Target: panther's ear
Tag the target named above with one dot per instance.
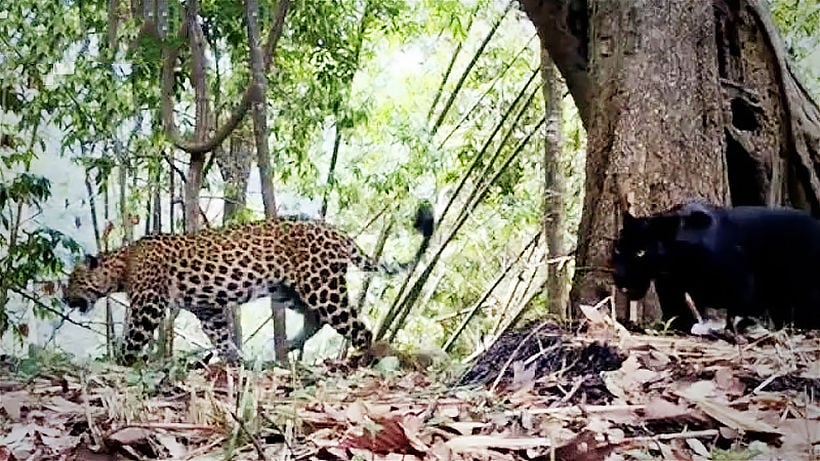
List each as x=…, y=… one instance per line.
x=629, y=220
x=698, y=220
x=92, y=261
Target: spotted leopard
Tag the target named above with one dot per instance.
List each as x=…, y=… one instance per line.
x=299, y=262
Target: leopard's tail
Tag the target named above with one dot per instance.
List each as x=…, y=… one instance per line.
x=424, y=224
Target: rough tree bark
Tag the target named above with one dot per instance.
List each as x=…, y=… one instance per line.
x=235, y=168
x=679, y=99
x=554, y=189
x=202, y=122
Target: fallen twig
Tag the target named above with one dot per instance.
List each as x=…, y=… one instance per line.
x=586, y=409
x=166, y=426
x=678, y=435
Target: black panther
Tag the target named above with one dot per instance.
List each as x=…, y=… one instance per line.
x=753, y=261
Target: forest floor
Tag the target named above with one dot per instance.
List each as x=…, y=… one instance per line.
x=600, y=392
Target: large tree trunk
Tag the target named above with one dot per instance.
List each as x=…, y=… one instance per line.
x=680, y=99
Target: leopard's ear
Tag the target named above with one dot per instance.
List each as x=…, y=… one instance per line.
x=92, y=261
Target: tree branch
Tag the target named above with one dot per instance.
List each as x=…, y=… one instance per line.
x=193, y=184
x=563, y=27
x=239, y=111
x=257, y=91
x=196, y=40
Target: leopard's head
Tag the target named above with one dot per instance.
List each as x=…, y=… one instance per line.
x=89, y=281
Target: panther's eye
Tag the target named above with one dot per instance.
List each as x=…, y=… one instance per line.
x=617, y=251
x=640, y=253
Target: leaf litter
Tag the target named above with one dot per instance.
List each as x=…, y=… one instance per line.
x=540, y=392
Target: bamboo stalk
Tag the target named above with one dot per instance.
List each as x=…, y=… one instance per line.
x=472, y=311
x=460, y=83
x=404, y=307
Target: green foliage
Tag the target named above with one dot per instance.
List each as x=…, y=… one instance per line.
x=244, y=215
x=365, y=69
x=29, y=252
x=40, y=361
x=799, y=24
x=736, y=454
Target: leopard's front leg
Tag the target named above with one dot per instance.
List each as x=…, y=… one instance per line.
x=146, y=314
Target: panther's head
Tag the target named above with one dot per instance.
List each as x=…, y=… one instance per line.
x=647, y=246
x=638, y=252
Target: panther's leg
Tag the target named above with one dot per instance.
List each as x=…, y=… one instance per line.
x=146, y=313
x=672, y=299
x=330, y=303
x=744, y=306
x=216, y=327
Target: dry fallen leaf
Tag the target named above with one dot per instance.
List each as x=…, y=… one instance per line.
x=394, y=434
x=728, y=383
x=440, y=451
x=592, y=313
x=463, y=443
x=325, y=437
x=18, y=433
x=170, y=442
x=61, y=405
x=412, y=426
x=801, y=435
x=698, y=447
x=464, y=427
x=14, y=404
x=409, y=416
x=130, y=435
x=523, y=377
x=59, y=443
x=449, y=411
x=582, y=447
x=659, y=408
x=20, y=441
x=705, y=397
x=657, y=360
x=628, y=381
